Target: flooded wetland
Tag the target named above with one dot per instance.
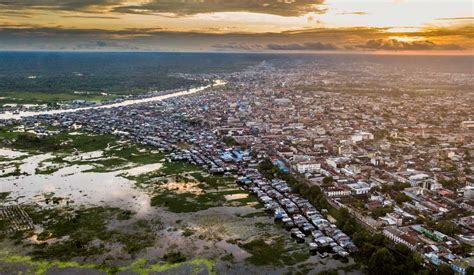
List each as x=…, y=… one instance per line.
x=102, y=204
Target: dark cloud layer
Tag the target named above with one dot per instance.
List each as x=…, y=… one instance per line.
x=190, y=7
x=238, y=47
x=90, y=16
x=310, y=46
x=176, y=7
x=66, y=5
x=24, y=36
x=397, y=45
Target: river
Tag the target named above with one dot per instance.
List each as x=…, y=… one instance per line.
x=23, y=114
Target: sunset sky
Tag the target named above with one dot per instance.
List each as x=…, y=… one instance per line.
x=380, y=26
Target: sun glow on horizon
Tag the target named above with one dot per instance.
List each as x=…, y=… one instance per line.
x=344, y=24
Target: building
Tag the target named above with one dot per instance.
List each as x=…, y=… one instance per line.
x=308, y=167
x=467, y=124
x=337, y=191
x=399, y=236
x=359, y=188
x=361, y=136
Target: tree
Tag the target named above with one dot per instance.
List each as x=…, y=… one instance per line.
x=401, y=198
x=447, y=227
x=382, y=262
x=349, y=228
x=360, y=237
x=462, y=249
x=444, y=269
x=230, y=141
x=381, y=211
x=327, y=180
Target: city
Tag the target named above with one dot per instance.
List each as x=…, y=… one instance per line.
x=333, y=168
x=209, y=137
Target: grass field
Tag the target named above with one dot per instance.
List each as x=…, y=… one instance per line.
x=46, y=97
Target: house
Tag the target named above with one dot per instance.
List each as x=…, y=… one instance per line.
x=308, y=167
x=359, y=188
x=337, y=191
x=399, y=236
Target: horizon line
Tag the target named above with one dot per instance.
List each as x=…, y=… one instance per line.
x=374, y=53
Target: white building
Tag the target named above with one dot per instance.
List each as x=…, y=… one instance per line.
x=359, y=188
x=308, y=167
x=468, y=192
x=337, y=192
x=467, y=124
x=358, y=137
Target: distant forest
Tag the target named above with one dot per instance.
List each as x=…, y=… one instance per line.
x=43, y=77
x=118, y=73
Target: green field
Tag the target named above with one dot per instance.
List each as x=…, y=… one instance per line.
x=48, y=97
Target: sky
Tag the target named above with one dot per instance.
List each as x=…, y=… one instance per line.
x=356, y=26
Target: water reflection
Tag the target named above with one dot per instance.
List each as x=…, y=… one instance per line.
x=74, y=185
x=22, y=114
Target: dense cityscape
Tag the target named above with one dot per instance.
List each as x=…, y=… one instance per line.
x=348, y=167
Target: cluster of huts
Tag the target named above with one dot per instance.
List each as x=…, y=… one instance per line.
x=299, y=216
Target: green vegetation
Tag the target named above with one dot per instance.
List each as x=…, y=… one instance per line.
x=4, y=195
x=449, y=184
x=447, y=227
x=188, y=232
x=22, y=97
x=397, y=186
x=328, y=180
x=52, y=77
x=228, y=257
x=381, y=211
x=46, y=170
x=178, y=167
x=62, y=142
x=381, y=262
x=444, y=269
x=3, y=227
x=462, y=249
x=83, y=228
x=230, y=141
x=189, y=202
x=214, y=188
x=139, y=154
x=8, y=133
x=401, y=198
x=174, y=257
x=140, y=266
x=115, y=156
x=103, y=165
x=15, y=173
x=381, y=134
x=273, y=253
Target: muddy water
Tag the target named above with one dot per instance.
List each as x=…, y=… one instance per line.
x=216, y=232
x=10, y=154
x=75, y=185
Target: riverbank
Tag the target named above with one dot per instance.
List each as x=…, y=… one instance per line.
x=16, y=115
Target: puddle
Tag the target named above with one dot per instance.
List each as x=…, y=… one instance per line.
x=74, y=184
x=7, y=153
x=85, y=156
